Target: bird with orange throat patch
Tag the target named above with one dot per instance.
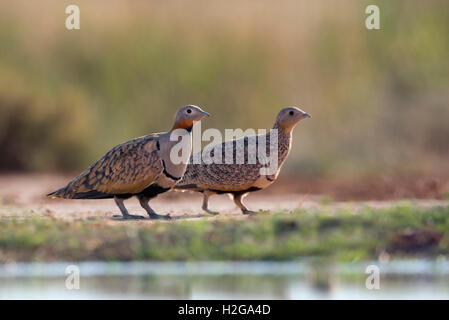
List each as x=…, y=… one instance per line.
x=141, y=167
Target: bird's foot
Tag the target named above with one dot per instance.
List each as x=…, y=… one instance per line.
x=214, y=213
x=248, y=212
x=132, y=217
x=160, y=216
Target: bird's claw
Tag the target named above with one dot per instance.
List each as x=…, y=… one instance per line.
x=132, y=217
x=248, y=212
x=214, y=213
x=160, y=216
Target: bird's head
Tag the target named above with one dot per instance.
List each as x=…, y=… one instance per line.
x=288, y=117
x=187, y=115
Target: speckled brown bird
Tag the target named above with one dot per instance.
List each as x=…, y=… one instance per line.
x=240, y=179
x=140, y=167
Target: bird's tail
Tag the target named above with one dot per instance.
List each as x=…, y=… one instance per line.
x=60, y=193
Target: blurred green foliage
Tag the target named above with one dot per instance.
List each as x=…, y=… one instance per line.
x=379, y=99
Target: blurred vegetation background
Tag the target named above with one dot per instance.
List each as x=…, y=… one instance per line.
x=379, y=98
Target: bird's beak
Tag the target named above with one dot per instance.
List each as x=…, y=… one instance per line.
x=306, y=115
x=205, y=114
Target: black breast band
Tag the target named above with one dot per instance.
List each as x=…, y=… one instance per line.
x=167, y=174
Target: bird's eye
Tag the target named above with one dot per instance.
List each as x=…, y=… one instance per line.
x=189, y=110
x=291, y=113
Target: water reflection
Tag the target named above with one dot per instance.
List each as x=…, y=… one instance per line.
x=416, y=279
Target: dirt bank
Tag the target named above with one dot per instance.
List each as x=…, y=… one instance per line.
x=26, y=193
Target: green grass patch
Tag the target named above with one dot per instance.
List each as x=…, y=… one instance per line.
x=343, y=235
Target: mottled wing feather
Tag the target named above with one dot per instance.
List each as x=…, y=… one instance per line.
x=126, y=169
x=230, y=177
x=224, y=177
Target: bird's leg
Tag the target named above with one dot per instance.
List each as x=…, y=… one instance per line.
x=206, y=195
x=126, y=215
x=238, y=198
x=153, y=215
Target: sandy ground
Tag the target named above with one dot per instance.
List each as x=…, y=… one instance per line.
x=25, y=195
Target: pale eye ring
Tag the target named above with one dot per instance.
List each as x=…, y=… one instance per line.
x=189, y=110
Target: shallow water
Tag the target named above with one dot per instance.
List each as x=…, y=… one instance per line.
x=308, y=279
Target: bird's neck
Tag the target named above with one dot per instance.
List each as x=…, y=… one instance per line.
x=283, y=132
x=284, y=142
x=286, y=129
x=185, y=124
